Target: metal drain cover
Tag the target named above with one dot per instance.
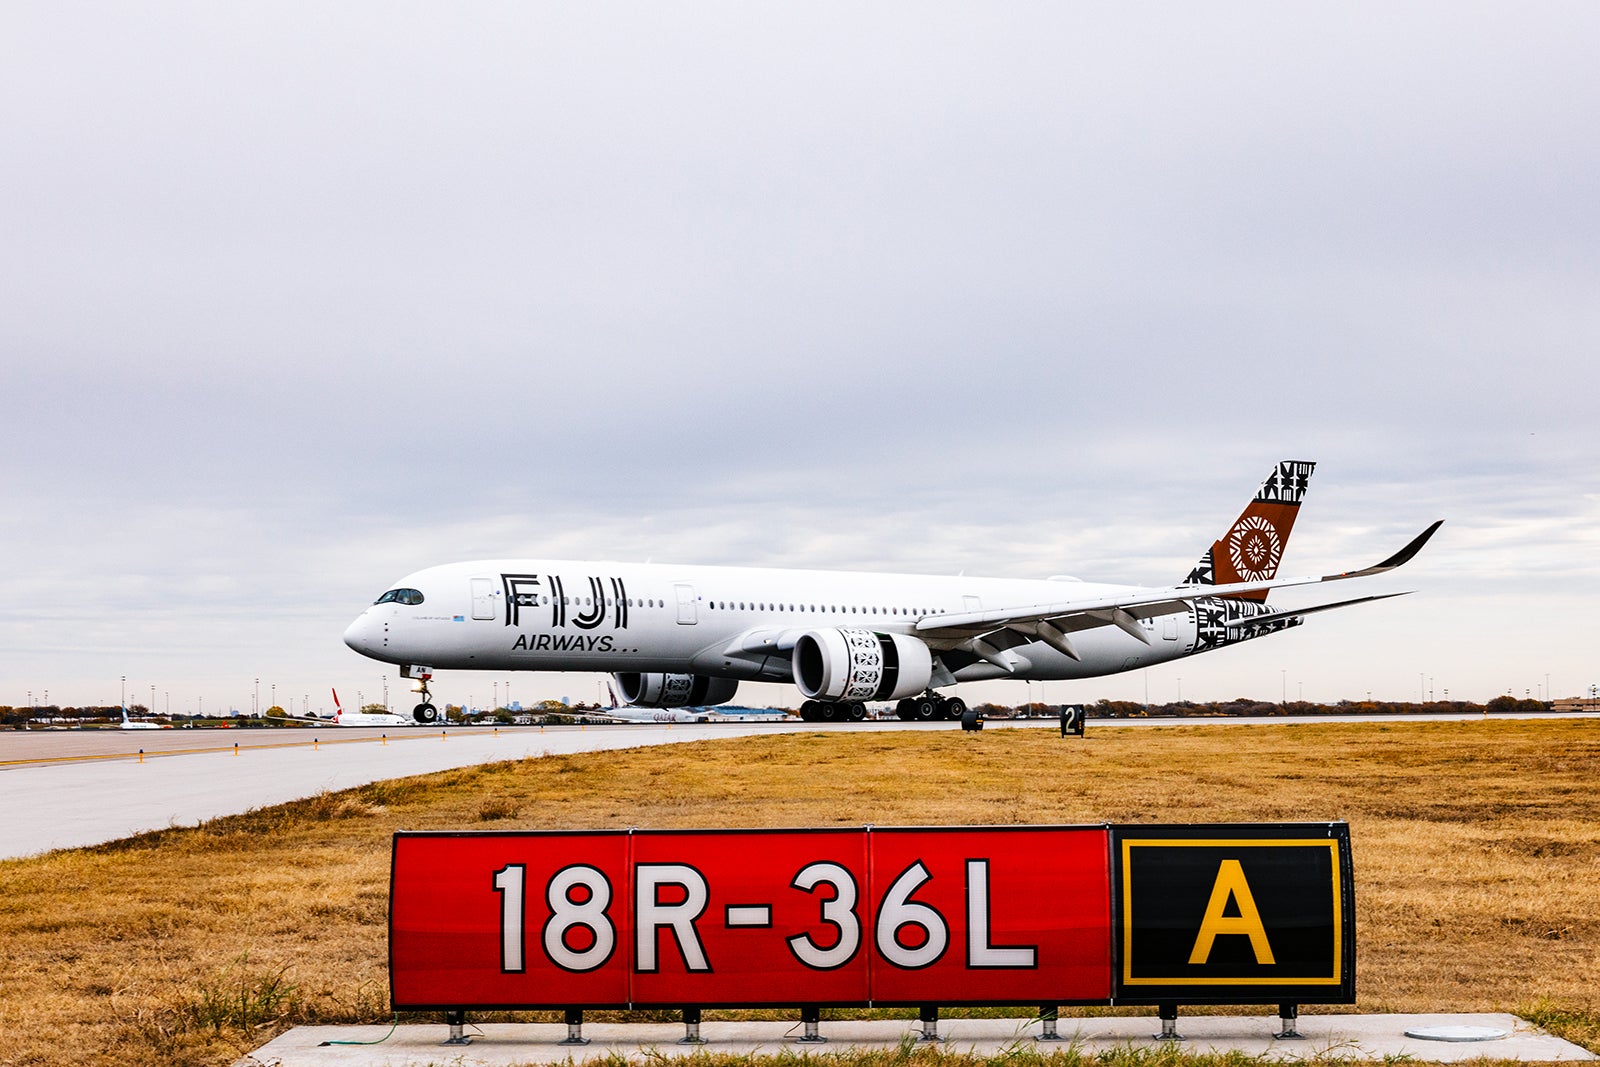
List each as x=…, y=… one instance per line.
x=1457, y=1033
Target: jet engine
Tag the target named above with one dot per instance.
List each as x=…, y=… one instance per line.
x=674, y=690
x=860, y=665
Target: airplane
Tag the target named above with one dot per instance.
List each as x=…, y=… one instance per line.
x=654, y=715
x=355, y=718
x=616, y=712
x=685, y=636
x=132, y=724
x=367, y=718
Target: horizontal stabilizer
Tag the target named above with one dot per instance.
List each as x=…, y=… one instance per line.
x=1294, y=613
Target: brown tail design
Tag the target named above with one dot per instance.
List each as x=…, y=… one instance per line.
x=1253, y=546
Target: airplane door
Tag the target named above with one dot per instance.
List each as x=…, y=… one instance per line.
x=482, y=598
x=686, y=608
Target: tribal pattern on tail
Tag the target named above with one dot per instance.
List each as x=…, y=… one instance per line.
x=1253, y=547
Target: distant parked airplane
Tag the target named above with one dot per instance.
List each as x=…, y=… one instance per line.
x=367, y=718
x=685, y=636
x=135, y=724
x=355, y=718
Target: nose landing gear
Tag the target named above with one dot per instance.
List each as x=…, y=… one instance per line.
x=424, y=712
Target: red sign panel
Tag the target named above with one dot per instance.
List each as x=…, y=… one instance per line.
x=751, y=918
x=991, y=915
x=509, y=920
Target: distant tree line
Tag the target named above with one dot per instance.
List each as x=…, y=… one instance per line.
x=106, y=713
x=1245, y=706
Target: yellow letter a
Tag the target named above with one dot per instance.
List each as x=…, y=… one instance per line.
x=1231, y=883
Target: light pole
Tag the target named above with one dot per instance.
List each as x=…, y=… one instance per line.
x=255, y=700
x=385, y=681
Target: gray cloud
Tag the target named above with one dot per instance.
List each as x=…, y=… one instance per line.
x=300, y=299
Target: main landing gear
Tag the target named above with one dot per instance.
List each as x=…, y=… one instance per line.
x=833, y=711
x=424, y=712
x=930, y=708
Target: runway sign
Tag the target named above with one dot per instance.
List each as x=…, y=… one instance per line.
x=889, y=916
x=1232, y=914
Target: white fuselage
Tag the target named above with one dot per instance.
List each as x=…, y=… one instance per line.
x=728, y=622
x=365, y=718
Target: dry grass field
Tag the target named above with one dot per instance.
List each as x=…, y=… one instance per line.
x=1477, y=864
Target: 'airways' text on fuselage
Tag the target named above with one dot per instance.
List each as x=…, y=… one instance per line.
x=563, y=643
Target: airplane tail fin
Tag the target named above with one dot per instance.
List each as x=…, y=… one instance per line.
x=1253, y=546
x=338, y=710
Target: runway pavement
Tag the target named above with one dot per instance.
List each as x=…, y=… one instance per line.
x=66, y=789
x=57, y=795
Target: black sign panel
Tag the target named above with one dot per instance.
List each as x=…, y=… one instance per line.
x=1234, y=914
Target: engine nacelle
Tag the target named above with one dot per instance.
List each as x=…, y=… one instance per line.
x=860, y=665
x=675, y=690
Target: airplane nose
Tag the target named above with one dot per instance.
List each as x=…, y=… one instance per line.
x=358, y=635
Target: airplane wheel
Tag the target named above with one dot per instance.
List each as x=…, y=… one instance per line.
x=926, y=709
x=905, y=710
x=858, y=711
x=808, y=711
x=425, y=713
x=953, y=708
x=828, y=711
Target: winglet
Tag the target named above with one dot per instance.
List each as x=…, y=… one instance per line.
x=1400, y=558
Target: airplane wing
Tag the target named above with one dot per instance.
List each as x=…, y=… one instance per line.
x=987, y=634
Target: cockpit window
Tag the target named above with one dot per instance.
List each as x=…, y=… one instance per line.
x=400, y=596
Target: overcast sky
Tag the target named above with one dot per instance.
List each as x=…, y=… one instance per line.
x=298, y=298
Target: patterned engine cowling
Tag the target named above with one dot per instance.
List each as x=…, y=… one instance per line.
x=860, y=665
x=674, y=690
